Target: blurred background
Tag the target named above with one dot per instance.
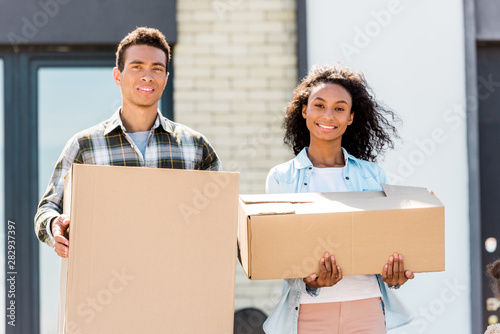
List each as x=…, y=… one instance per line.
x=234, y=66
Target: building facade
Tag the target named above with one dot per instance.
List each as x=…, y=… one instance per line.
x=234, y=66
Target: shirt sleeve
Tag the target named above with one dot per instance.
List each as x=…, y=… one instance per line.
x=298, y=284
x=51, y=204
x=272, y=185
x=210, y=160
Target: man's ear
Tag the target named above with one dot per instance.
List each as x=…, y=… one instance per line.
x=304, y=111
x=166, y=80
x=117, y=76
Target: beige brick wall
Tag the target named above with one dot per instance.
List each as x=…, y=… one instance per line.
x=235, y=69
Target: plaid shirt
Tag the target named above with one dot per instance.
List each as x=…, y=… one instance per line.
x=169, y=145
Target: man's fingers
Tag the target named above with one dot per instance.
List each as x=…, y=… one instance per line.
x=61, y=250
x=64, y=219
x=59, y=239
x=60, y=225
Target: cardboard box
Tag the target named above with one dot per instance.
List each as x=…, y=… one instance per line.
x=151, y=251
x=285, y=235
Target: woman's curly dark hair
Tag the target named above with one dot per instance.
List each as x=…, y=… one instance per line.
x=367, y=136
x=493, y=269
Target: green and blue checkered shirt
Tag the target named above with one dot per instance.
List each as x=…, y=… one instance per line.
x=169, y=145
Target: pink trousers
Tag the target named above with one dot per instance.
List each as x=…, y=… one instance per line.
x=364, y=316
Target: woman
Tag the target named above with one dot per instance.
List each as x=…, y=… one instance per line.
x=335, y=127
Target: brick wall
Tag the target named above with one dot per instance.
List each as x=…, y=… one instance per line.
x=235, y=69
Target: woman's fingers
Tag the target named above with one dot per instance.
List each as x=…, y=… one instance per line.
x=339, y=274
x=334, y=271
x=409, y=274
x=330, y=273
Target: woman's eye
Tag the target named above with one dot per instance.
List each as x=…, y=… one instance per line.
x=318, y=105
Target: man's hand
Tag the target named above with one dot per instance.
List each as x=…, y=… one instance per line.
x=330, y=273
x=60, y=231
x=394, y=272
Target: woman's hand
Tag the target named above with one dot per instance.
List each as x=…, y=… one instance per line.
x=329, y=276
x=394, y=272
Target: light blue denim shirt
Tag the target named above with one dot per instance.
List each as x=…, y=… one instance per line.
x=294, y=177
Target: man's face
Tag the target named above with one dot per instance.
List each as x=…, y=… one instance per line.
x=143, y=78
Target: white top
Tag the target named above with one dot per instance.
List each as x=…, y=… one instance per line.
x=350, y=287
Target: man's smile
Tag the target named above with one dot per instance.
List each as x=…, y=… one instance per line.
x=146, y=90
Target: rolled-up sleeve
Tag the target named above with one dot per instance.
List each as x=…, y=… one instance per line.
x=51, y=204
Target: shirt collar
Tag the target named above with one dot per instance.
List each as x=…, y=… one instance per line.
x=115, y=121
x=303, y=161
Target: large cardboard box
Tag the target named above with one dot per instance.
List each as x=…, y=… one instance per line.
x=151, y=251
x=285, y=235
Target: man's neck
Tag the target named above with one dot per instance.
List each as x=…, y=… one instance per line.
x=138, y=119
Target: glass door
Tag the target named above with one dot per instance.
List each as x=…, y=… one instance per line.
x=70, y=99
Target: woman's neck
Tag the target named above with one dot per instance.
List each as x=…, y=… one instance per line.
x=323, y=156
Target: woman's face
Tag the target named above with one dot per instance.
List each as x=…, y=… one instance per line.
x=328, y=112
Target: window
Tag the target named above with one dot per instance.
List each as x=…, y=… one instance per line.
x=70, y=99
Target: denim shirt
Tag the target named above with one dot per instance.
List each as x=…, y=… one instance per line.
x=294, y=177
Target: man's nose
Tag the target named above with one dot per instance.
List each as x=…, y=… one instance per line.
x=147, y=76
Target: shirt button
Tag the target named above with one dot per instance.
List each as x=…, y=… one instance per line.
x=305, y=183
x=310, y=168
x=296, y=308
x=347, y=177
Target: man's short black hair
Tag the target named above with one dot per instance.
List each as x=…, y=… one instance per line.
x=142, y=36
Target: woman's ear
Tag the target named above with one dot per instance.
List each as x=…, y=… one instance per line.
x=304, y=111
x=351, y=118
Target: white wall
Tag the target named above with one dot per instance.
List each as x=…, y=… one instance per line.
x=412, y=53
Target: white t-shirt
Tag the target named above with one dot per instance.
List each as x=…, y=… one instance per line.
x=349, y=287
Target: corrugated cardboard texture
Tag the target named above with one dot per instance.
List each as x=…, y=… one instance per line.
x=151, y=251
x=284, y=236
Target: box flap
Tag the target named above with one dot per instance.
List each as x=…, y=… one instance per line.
x=392, y=190
x=391, y=198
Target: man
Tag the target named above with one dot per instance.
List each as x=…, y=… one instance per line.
x=136, y=135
